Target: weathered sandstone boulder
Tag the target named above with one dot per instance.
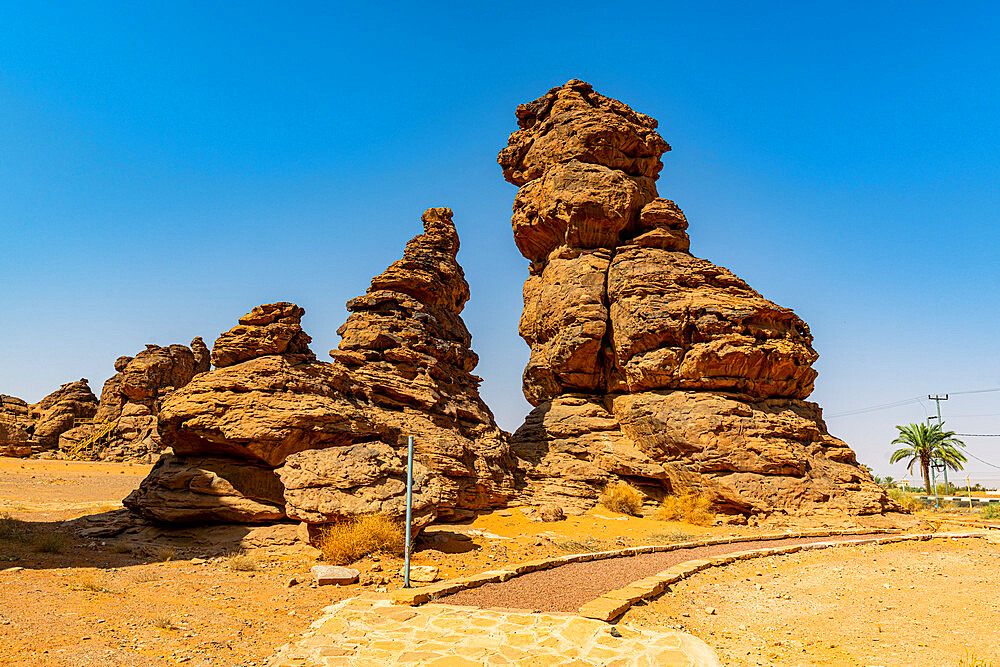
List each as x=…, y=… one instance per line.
x=204, y=488
x=55, y=414
x=131, y=400
x=334, y=433
x=273, y=328
x=14, y=427
x=649, y=364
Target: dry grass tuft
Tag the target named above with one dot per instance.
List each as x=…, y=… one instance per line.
x=672, y=536
x=585, y=545
x=50, y=543
x=907, y=500
x=163, y=622
x=991, y=511
x=122, y=548
x=241, y=561
x=143, y=576
x=623, y=498
x=688, y=507
x=13, y=530
x=346, y=542
x=165, y=554
x=91, y=586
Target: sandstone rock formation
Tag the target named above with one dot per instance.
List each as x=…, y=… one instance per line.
x=647, y=363
x=55, y=414
x=334, y=433
x=14, y=427
x=131, y=399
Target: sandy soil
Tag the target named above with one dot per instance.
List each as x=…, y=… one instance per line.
x=94, y=603
x=909, y=603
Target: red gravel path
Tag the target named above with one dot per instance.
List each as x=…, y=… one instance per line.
x=567, y=587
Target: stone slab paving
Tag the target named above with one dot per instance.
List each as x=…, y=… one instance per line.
x=373, y=632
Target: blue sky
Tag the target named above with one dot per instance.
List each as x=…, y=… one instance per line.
x=164, y=169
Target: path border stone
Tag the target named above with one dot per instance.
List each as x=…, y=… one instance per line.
x=613, y=604
x=423, y=594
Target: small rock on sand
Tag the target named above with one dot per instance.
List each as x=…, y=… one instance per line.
x=334, y=574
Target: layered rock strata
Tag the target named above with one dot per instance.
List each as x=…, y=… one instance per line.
x=647, y=363
x=333, y=434
x=14, y=427
x=131, y=400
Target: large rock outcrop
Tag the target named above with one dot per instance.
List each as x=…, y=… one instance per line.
x=334, y=433
x=647, y=363
x=131, y=400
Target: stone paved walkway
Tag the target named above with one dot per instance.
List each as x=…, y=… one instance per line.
x=372, y=631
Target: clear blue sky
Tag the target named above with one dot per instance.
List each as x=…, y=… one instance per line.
x=164, y=169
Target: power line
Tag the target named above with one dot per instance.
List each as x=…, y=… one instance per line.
x=875, y=408
x=979, y=435
x=976, y=391
x=982, y=461
x=901, y=403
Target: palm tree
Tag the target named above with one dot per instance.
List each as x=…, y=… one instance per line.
x=924, y=443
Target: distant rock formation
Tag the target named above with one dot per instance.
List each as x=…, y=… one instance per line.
x=333, y=435
x=56, y=413
x=647, y=363
x=131, y=399
x=14, y=427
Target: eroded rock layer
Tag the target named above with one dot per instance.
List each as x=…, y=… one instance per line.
x=648, y=363
x=332, y=435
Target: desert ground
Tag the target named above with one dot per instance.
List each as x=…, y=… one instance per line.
x=69, y=601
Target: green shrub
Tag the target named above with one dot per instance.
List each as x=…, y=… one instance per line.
x=623, y=498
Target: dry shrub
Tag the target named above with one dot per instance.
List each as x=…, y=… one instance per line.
x=241, y=561
x=50, y=543
x=907, y=500
x=688, y=507
x=13, y=530
x=165, y=554
x=163, y=622
x=622, y=497
x=586, y=545
x=353, y=539
x=672, y=536
x=991, y=511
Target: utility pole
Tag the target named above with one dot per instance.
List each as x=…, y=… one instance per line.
x=937, y=400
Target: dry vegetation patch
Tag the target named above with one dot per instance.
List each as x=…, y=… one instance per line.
x=623, y=498
x=688, y=507
x=351, y=540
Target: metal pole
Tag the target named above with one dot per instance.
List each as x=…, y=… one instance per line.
x=933, y=467
x=409, y=511
x=968, y=485
x=937, y=401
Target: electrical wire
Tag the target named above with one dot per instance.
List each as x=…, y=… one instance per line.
x=905, y=401
x=982, y=461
